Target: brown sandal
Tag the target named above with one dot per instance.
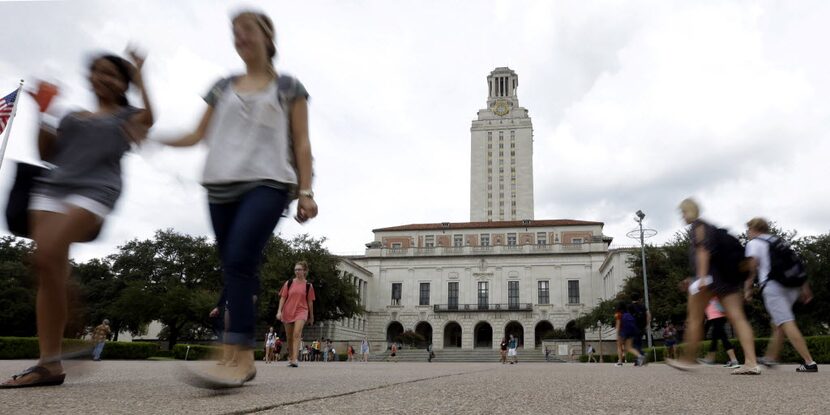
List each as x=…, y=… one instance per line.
x=45, y=378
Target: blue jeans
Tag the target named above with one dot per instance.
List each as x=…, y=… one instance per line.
x=242, y=229
x=96, y=352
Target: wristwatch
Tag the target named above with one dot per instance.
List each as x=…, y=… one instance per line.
x=307, y=193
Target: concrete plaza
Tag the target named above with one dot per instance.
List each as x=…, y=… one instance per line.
x=139, y=387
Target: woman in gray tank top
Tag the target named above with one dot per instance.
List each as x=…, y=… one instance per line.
x=69, y=203
x=259, y=156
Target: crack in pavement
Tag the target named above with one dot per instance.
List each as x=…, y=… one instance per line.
x=355, y=392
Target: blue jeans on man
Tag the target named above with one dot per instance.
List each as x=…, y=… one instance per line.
x=96, y=352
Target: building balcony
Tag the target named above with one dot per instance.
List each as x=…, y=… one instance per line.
x=471, y=250
x=462, y=308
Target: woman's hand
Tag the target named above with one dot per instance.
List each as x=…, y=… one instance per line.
x=279, y=315
x=306, y=209
x=214, y=313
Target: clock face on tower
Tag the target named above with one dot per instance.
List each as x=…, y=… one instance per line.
x=501, y=108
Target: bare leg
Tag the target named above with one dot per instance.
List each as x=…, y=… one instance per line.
x=734, y=305
x=297, y=334
x=790, y=328
x=694, y=325
x=289, y=343
x=731, y=354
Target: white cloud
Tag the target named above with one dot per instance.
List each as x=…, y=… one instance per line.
x=635, y=105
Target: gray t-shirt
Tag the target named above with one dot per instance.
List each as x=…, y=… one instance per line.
x=88, y=152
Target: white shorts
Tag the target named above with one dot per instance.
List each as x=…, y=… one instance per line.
x=511, y=352
x=62, y=205
x=779, y=301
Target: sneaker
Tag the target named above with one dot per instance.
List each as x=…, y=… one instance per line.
x=680, y=365
x=767, y=362
x=618, y=364
x=747, y=371
x=807, y=368
x=641, y=361
x=706, y=362
x=732, y=365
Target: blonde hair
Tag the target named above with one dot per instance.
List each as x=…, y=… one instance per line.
x=691, y=207
x=304, y=264
x=758, y=224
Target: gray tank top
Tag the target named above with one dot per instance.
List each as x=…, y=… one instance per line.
x=88, y=157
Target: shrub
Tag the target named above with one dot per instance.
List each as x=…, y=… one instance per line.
x=27, y=348
x=197, y=351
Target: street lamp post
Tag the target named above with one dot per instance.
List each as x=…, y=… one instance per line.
x=644, y=233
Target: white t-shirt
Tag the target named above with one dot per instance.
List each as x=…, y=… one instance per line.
x=758, y=248
x=248, y=139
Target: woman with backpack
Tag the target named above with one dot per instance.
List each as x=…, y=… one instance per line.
x=715, y=276
x=259, y=157
x=296, y=309
x=70, y=203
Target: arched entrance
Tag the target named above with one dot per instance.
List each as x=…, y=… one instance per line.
x=543, y=329
x=515, y=328
x=452, y=335
x=483, y=335
x=425, y=330
x=393, y=331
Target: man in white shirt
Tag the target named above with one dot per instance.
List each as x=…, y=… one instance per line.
x=778, y=299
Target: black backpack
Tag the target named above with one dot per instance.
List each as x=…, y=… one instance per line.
x=729, y=256
x=786, y=267
x=638, y=311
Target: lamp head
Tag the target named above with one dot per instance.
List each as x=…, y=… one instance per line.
x=640, y=214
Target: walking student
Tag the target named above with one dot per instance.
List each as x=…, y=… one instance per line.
x=618, y=315
x=394, y=352
x=715, y=276
x=70, y=203
x=778, y=298
x=364, y=349
x=503, y=350
x=716, y=320
x=259, y=157
x=99, y=337
x=628, y=332
x=590, y=352
x=512, y=345
x=430, y=353
x=270, y=345
x=296, y=309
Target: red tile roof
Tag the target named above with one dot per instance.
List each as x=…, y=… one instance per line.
x=487, y=225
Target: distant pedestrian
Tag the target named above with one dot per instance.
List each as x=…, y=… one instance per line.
x=591, y=354
x=349, y=353
x=327, y=350
x=715, y=258
x=503, y=350
x=778, y=298
x=628, y=332
x=364, y=349
x=547, y=354
x=296, y=309
x=512, y=345
x=315, y=350
x=430, y=353
x=270, y=345
x=716, y=321
x=278, y=348
x=670, y=339
x=618, y=315
x=642, y=317
x=99, y=337
x=394, y=352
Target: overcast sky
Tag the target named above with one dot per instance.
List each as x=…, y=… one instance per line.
x=635, y=105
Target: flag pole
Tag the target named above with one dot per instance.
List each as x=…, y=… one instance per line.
x=9, y=125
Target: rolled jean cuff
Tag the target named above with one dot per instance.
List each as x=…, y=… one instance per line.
x=240, y=339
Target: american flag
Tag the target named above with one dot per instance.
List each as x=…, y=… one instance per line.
x=6, y=106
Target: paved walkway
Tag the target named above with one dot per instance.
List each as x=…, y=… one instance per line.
x=134, y=387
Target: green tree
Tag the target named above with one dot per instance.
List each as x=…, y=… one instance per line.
x=173, y=278
x=17, y=288
x=814, y=317
x=336, y=298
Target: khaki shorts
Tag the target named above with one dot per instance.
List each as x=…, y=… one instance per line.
x=779, y=301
